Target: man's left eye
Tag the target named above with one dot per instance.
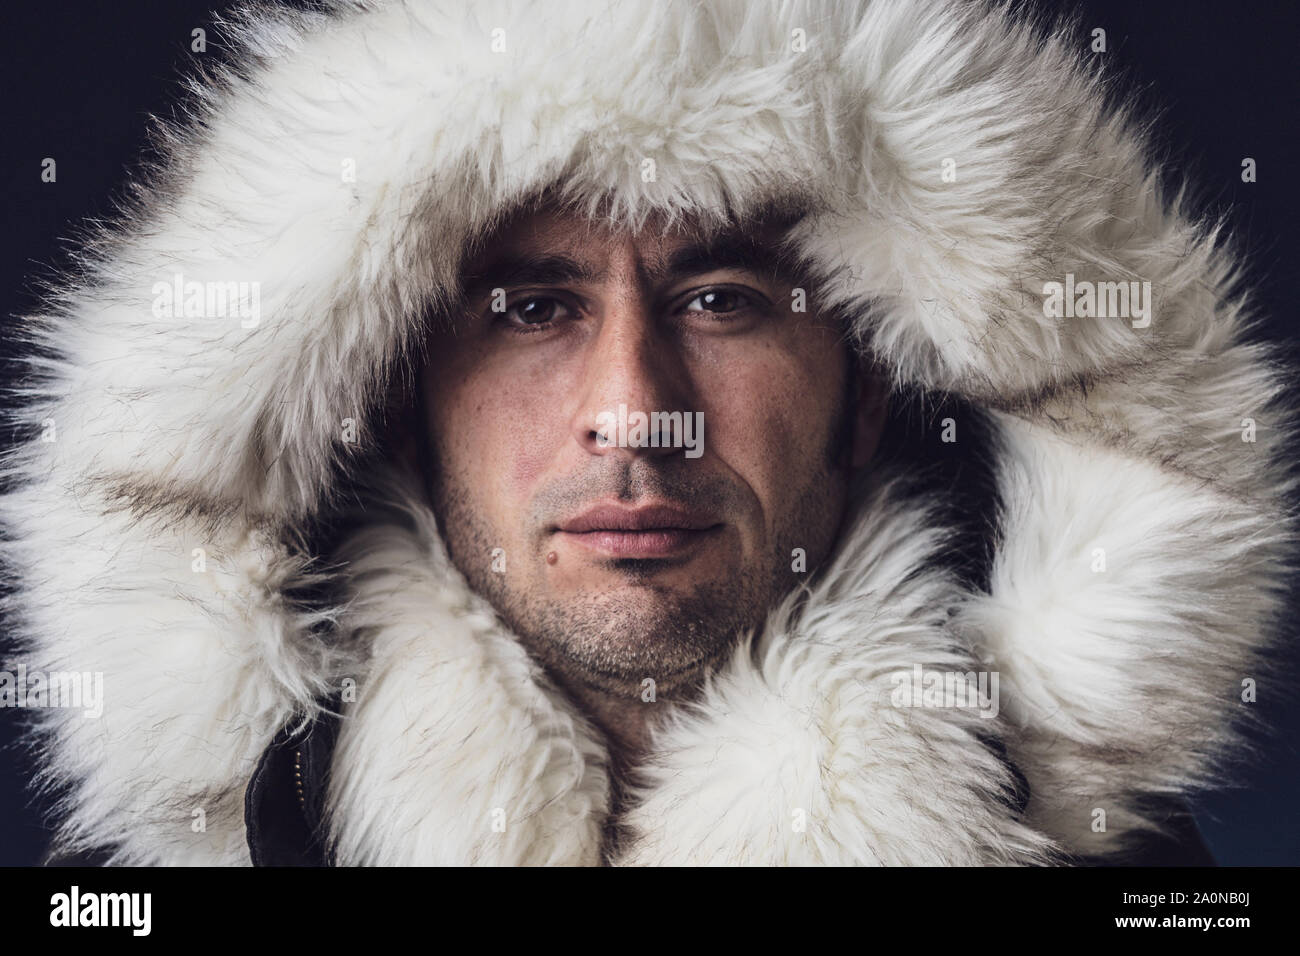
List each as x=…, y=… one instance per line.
x=719, y=301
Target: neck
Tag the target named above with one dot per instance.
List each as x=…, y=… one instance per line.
x=625, y=721
x=624, y=717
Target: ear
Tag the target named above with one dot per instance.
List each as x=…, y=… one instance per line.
x=871, y=402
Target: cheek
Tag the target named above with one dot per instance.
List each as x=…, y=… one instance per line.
x=500, y=435
x=769, y=417
x=527, y=465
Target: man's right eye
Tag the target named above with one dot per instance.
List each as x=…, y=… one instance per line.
x=534, y=312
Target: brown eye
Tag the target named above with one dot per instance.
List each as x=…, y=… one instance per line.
x=718, y=301
x=536, y=310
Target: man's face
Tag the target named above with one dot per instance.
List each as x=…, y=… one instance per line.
x=620, y=562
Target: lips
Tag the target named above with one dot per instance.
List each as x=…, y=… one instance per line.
x=646, y=531
x=643, y=518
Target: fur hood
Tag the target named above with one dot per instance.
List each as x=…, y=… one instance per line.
x=954, y=159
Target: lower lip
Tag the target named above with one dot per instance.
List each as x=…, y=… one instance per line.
x=659, y=543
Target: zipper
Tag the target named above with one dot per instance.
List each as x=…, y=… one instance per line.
x=297, y=778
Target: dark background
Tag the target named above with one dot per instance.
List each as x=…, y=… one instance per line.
x=80, y=78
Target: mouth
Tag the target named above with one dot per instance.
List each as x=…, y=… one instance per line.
x=645, y=531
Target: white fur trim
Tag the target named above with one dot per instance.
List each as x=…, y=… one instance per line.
x=175, y=434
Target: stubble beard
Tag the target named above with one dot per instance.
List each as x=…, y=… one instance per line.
x=612, y=643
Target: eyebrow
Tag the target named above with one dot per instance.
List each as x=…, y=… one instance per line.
x=731, y=250
x=727, y=251
x=519, y=269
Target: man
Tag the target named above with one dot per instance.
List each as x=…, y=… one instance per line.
x=621, y=562
x=480, y=453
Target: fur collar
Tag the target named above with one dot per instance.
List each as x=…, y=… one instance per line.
x=154, y=519
x=459, y=749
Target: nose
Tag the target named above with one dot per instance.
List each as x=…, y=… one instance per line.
x=630, y=367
